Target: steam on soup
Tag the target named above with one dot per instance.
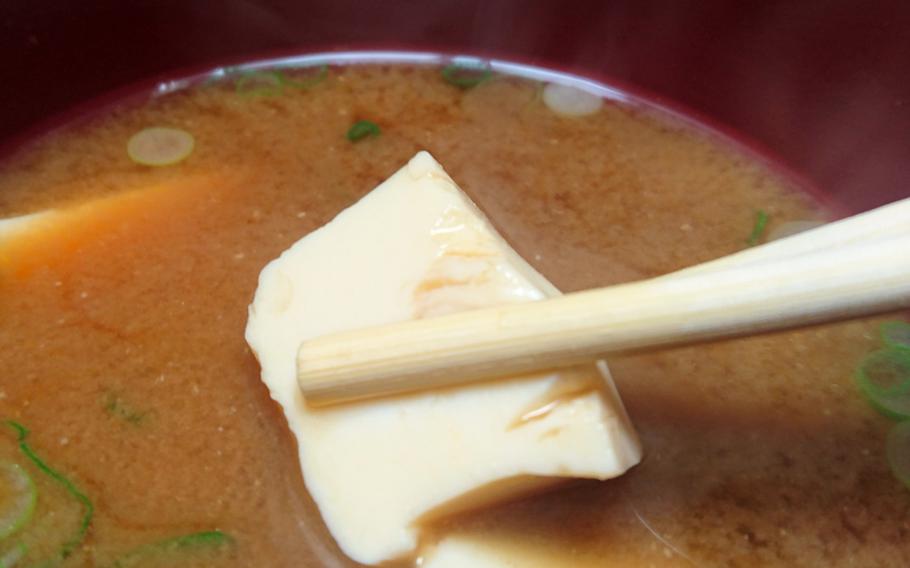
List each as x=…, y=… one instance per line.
x=137, y=430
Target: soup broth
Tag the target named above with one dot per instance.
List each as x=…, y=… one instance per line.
x=123, y=352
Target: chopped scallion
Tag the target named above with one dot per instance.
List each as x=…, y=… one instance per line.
x=11, y=557
x=884, y=378
x=259, y=83
x=18, y=496
x=466, y=76
x=88, y=508
x=361, y=129
x=115, y=406
x=758, y=228
x=567, y=100
x=308, y=81
x=207, y=539
x=897, y=449
x=896, y=334
x=160, y=146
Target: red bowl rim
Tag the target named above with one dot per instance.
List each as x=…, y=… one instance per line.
x=609, y=87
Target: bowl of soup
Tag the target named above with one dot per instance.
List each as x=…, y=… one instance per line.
x=137, y=431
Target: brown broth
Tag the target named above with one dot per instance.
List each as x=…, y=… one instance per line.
x=123, y=346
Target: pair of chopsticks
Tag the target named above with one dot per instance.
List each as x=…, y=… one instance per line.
x=855, y=267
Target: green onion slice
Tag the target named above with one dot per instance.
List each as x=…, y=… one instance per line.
x=160, y=146
x=897, y=449
x=308, y=81
x=758, y=228
x=361, y=129
x=88, y=508
x=18, y=496
x=259, y=83
x=194, y=541
x=11, y=557
x=567, y=100
x=114, y=406
x=896, y=334
x=466, y=76
x=884, y=378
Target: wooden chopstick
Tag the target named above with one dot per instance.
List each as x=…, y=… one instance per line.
x=861, y=268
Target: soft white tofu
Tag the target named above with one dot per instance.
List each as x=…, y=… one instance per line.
x=12, y=226
x=416, y=246
x=486, y=551
x=126, y=201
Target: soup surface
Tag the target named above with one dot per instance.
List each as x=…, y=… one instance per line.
x=123, y=351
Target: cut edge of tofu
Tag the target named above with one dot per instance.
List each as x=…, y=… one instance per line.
x=13, y=226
